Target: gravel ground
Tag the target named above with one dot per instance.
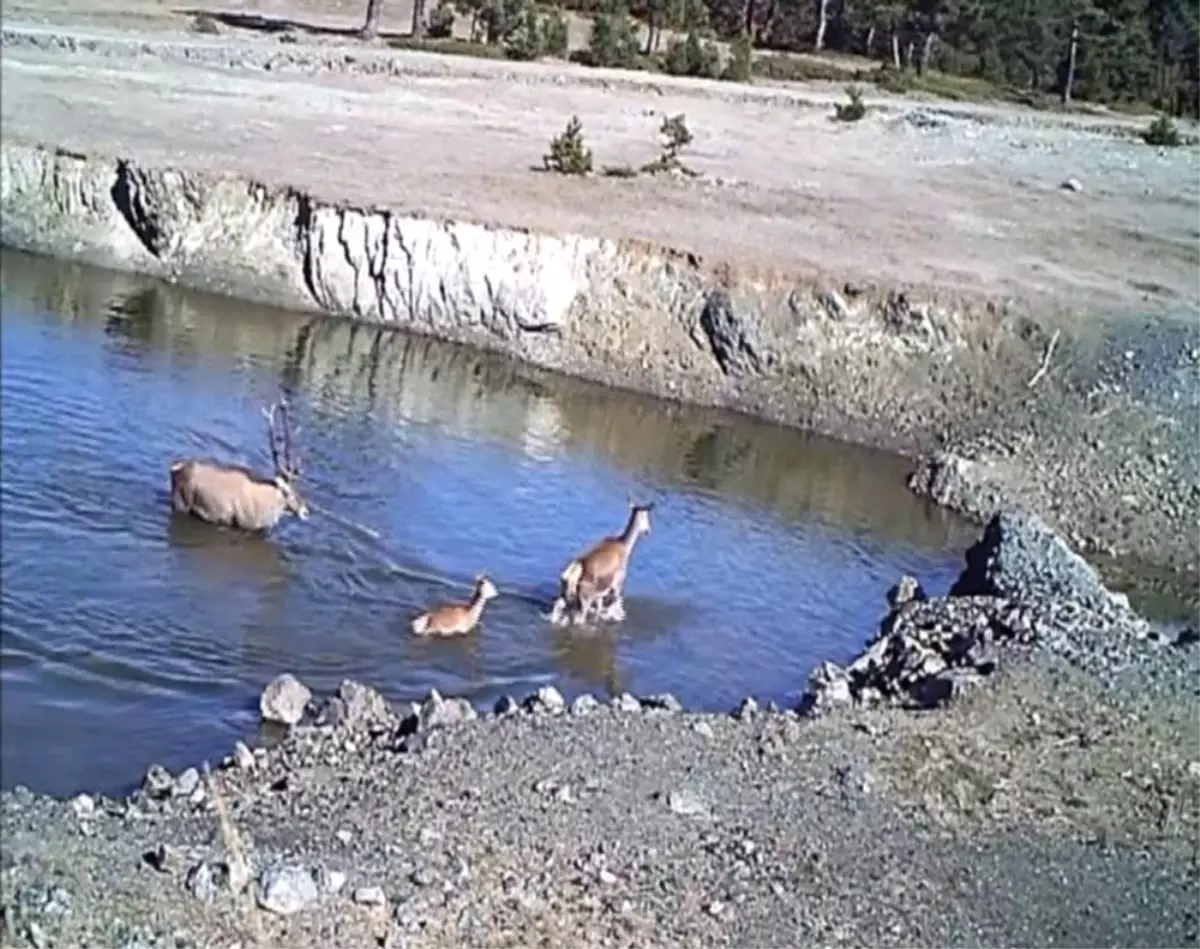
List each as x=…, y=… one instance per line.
x=1055, y=802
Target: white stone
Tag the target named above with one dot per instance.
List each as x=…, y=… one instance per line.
x=284, y=700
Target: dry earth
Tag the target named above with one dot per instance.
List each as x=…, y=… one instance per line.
x=964, y=199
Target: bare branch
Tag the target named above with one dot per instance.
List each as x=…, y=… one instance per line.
x=1037, y=376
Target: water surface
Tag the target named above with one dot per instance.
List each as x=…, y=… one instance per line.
x=133, y=636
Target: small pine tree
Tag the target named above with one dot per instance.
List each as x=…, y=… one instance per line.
x=1162, y=133
x=676, y=137
x=441, y=22
x=554, y=34
x=692, y=56
x=853, y=110
x=568, y=154
x=614, y=42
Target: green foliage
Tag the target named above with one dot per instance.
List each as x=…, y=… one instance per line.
x=693, y=57
x=1162, y=133
x=853, y=110
x=614, y=42
x=676, y=136
x=740, y=67
x=568, y=154
x=441, y=22
x=554, y=34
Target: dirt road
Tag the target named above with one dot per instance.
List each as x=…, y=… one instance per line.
x=965, y=199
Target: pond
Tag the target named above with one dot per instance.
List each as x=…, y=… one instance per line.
x=133, y=636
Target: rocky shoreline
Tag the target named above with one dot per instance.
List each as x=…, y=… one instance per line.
x=1014, y=763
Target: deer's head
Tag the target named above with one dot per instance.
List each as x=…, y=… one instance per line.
x=287, y=468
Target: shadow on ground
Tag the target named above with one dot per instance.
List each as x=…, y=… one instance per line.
x=276, y=25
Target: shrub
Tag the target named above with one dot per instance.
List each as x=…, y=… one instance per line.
x=853, y=110
x=568, y=154
x=676, y=137
x=1162, y=133
x=740, y=67
x=554, y=34
x=441, y=22
x=692, y=57
x=614, y=42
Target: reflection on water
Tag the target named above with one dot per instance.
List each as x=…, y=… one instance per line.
x=770, y=550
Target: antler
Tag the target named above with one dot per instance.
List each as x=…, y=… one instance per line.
x=273, y=436
x=293, y=466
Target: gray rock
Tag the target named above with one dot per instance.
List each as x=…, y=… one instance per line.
x=186, y=783
x=243, y=757
x=686, y=803
x=285, y=890
x=905, y=590
x=828, y=688
x=747, y=708
x=158, y=782
x=729, y=336
x=703, y=728
x=506, y=705
x=284, y=700
x=546, y=699
x=83, y=806
x=330, y=881
x=201, y=882
x=438, y=712
x=1072, y=184
x=370, y=896
x=1020, y=558
x=584, y=704
x=626, y=703
x=357, y=706
x=665, y=701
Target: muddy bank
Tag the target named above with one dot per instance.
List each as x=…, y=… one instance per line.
x=1101, y=450
x=1054, y=801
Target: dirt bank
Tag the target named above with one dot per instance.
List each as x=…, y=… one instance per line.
x=898, y=282
x=1052, y=799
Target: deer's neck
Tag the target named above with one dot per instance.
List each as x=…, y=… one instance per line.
x=476, y=606
x=629, y=538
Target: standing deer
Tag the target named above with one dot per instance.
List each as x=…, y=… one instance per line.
x=455, y=619
x=233, y=496
x=599, y=575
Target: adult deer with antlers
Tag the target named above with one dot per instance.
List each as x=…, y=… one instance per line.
x=599, y=575
x=234, y=496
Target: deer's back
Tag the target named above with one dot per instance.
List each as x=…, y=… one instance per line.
x=225, y=494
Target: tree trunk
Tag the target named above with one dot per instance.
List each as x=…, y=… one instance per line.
x=870, y=40
x=822, y=24
x=751, y=9
x=650, y=33
x=418, y=21
x=370, y=27
x=896, y=50
x=908, y=54
x=926, y=49
x=1069, y=80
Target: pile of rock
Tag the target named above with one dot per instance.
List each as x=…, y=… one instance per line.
x=1022, y=586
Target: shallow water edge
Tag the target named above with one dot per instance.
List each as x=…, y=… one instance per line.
x=923, y=373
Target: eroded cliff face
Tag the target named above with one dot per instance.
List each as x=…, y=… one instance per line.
x=632, y=315
x=885, y=367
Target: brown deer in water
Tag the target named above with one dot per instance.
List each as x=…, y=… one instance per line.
x=234, y=496
x=456, y=619
x=599, y=575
